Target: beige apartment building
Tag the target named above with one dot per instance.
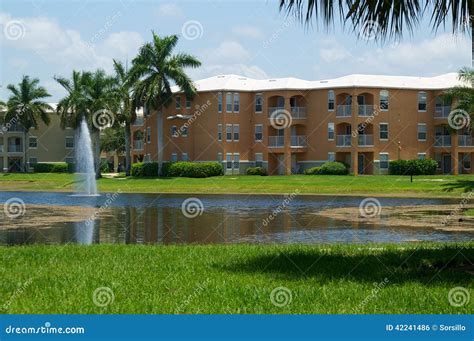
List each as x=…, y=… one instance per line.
x=19, y=150
x=288, y=125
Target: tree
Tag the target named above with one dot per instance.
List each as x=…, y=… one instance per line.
x=465, y=100
x=26, y=106
x=113, y=140
x=388, y=19
x=157, y=68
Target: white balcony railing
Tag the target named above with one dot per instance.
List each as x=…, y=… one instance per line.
x=344, y=111
x=299, y=141
x=442, y=111
x=366, y=110
x=298, y=113
x=138, y=144
x=365, y=140
x=343, y=140
x=465, y=141
x=276, y=141
x=443, y=141
x=15, y=148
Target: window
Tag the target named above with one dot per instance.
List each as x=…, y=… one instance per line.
x=174, y=131
x=219, y=102
x=228, y=158
x=69, y=160
x=32, y=161
x=438, y=158
x=219, y=132
x=236, y=102
x=228, y=102
x=258, y=103
x=258, y=159
x=174, y=157
x=188, y=102
x=384, y=100
x=148, y=135
x=236, y=160
x=331, y=100
x=383, y=160
x=184, y=130
x=178, y=102
x=422, y=98
x=184, y=156
x=258, y=132
x=219, y=157
x=421, y=156
x=331, y=156
x=32, y=142
x=421, y=132
x=228, y=132
x=466, y=161
x=330, y=131
x=383, y=131
x=69, y=142
x=236, y=132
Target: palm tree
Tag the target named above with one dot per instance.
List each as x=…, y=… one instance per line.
x=157, y=68
x=465, y=97
x=73, y=107
x=388, y=19
x=126, y=105
x=26, y=106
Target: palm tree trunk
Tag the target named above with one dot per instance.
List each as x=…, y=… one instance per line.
x=25, y=154
x=128, y=158
x=472, y=43
x=97, y=154
x=160, y=149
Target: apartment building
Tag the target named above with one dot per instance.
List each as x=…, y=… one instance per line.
x=19, y=149
x=288, y=125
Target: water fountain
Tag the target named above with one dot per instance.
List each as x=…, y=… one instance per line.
x=85, y=163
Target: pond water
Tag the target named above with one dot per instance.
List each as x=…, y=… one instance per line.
x=160, y=219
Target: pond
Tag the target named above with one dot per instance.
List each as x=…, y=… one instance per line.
x=207, y=219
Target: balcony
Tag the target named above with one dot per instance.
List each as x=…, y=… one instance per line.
x=138, y=144
x=343, y=140
x=138, y=121
x=1, y=148
x=276, y=141
x=297, y=113
x=365, y=140
x=15, y=127
x=299, y=141
x=366, y=110
x=344, y=111
x=443, y=141
x=15, y=148
x=465, y=141
x=442, y=111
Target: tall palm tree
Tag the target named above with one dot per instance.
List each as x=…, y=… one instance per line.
x=157, y=69
x=125, y=105
x=26, y=105
x=73, y=107
x=388, y=18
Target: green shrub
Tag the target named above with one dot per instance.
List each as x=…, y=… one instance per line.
x=256, y=171
x=104, y=166
x=333, y=168
x=53, y=167
x=413, y=167
x=193, y=169
x=144, y=169
x=313, y=171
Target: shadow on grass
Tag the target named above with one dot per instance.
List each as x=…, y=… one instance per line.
x=454, y=265
x=464, y=185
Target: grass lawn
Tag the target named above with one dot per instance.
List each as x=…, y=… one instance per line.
x=423, y=186
x=403, y=278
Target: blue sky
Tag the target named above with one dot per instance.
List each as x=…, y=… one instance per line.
x=43, y=38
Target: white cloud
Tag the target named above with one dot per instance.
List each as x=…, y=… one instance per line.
x=169, y=10
x=248, y=31
x=228, y=51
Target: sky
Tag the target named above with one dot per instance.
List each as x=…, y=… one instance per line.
x=44, y=38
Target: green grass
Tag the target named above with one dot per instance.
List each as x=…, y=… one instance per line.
x=470, y=212
x=236, y=278
x=423, y=186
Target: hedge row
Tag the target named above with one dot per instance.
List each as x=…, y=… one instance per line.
x=256, y=171
x=192, y=169
x=144, y=169
x=413, y=167
x=329, y=168
x=55, y=167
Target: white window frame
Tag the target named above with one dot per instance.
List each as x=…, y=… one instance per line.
x=418, y=131
x=380, y=99
x=219, y=102
x=331, y=100
x=258, y=97
x=331, y=156
x=387, y=161
x=236, y=130
x=228, y=161
x=421, y=156
x=229, y=102
x=148, y=134
x=32, y=163
x=261, y=133
x=184, y=131
x=426, y=101
x=380, y=131
x=73, y=142
x=331, y=124
x=468, y=155
x=236, y=102
x=188, y=102
x=236, y=160
x=177, y=102
x=36, y=142
x=258, y=159
x=184, y=157
x=229, y=130
x=219, y=132
x=174, y=157
x=219, y=157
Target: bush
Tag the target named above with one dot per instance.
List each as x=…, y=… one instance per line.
x=333, y=168
x=256, y=171
x=413, y=167
x=313, y=171
x=193, y=169
x=54, y=167
x=144, y=169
